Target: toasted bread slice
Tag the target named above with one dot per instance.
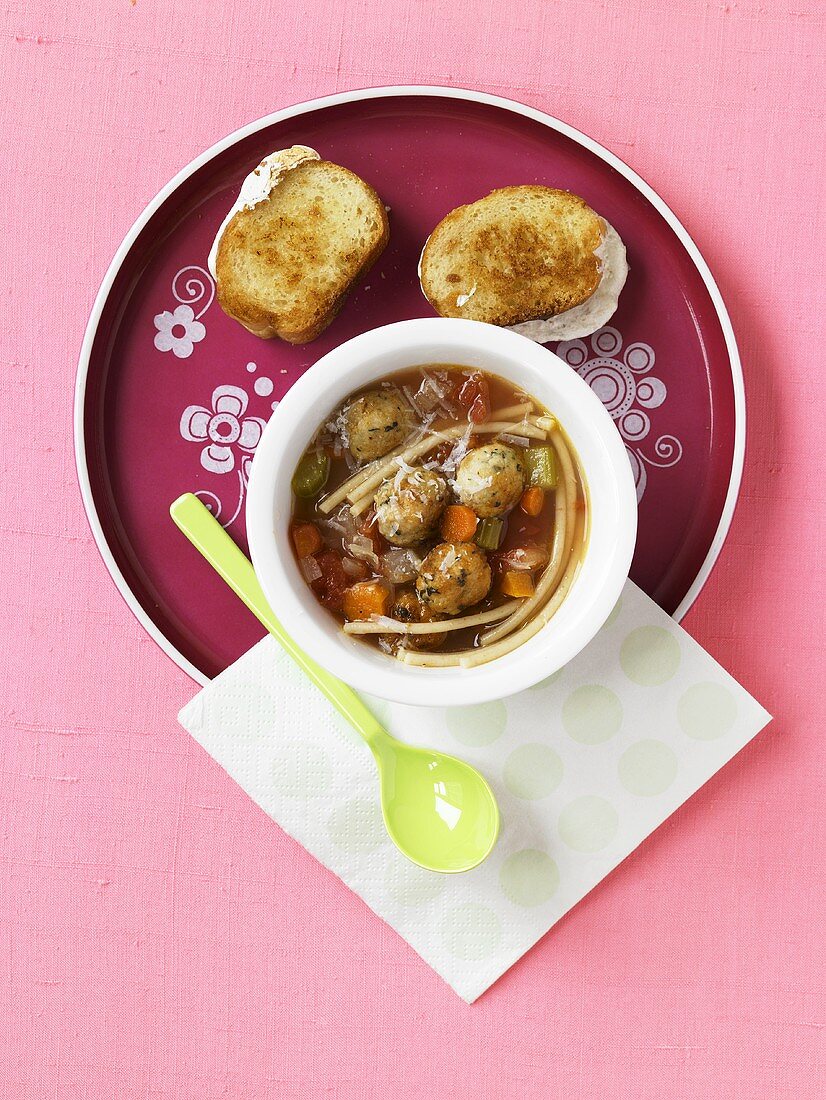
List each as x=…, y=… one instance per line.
x=594, y=312
x=518, y=254
x=285, y=265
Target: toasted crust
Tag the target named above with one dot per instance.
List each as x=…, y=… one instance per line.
x=518, y=254
x=285, y=267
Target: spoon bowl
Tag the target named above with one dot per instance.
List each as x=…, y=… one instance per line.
x=438, y=810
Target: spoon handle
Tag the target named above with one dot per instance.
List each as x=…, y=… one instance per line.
x=208, y=536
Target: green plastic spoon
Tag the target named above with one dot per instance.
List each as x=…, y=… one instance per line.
x=439, y=811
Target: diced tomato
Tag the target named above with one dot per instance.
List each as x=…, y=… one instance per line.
x=440, y=454
x=497, y=563
x=356, y=570
x=443, y=451
x=480, y=409
x=523, y=528
x=474, y=397
x=369, y=528
x=333, y=580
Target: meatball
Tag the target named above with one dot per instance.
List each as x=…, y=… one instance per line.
x=377, y=422
x=490, y=479
x=408, y=506
x=453, y=576
x=407, y=609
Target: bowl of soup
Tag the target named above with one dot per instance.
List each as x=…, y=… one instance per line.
x=441, y=512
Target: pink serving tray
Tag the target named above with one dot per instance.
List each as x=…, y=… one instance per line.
x=160, y=361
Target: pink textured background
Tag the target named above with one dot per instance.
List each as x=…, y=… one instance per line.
x=159, y=937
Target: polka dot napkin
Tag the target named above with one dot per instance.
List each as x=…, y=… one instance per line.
x=584, y=766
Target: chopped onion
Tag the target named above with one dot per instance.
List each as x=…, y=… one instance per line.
x=430, y=390
x=311, y=569
x=433, y=392
x=526, y=558
x=361, y=547
x=433, y=379
x=352, y=568
x=448, y=409
x=426, y=399
x=342, y=522
x=400, y=565
x=408, y=393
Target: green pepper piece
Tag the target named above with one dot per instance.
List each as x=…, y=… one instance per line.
x=311, y=474
x=489, y=533
x=540, y=464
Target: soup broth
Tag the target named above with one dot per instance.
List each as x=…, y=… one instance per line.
x=441, y=515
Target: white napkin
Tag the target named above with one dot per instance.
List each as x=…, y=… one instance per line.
x=584, y=766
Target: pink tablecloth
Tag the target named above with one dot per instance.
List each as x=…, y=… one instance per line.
x=159, y=937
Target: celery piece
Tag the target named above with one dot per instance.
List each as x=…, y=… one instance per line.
x=489, y=533
x=311, y=474
x=540, y=464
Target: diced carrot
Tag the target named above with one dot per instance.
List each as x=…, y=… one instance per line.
x=365, y=599
x=517, y=584
x=458, y=523
x=533, y=501
x=307, y=539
